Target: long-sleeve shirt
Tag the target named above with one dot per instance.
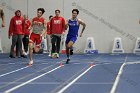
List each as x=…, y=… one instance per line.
x=48, y=28
x=16, y=26
x=57, y=25
x=27, y=25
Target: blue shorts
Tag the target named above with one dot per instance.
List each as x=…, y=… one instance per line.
x=71, y=38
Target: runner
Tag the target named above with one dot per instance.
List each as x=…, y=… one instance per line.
x=73, y=24
x=38, y=30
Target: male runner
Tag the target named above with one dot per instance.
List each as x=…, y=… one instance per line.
x=38, y=30
x=72, y=35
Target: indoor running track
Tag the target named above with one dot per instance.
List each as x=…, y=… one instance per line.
x=103, y=73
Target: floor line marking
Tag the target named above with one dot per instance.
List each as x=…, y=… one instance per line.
x=14, y=82
x=78, y=83
x=115, y=85
x=72, y=82
x=130, y=63
x=2, y=75
x=31, y=80
x=28, y=75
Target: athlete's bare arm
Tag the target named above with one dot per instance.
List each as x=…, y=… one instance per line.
x=31, y=26
x=84, y=26
x=66, y=27
x=45, y=29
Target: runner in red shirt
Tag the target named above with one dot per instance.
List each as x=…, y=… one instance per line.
x=38, y=30
x=57, y=28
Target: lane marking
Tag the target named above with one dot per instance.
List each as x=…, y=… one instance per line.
x=2, y=75
x=130, y=63
x=115, y=85
x=31, y=80
x=26, y=76
x=78, y=83
x=76, y=63
x=44, y=63
x=72, y=82
x=11, y=63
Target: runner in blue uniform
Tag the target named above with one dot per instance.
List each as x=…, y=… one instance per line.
x=73, y=24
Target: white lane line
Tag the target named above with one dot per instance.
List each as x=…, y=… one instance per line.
x=130, y=63
x=68, y=85
x=11, y=63
x=76, y=63
x=2, y=75
x=78, y=83
x=31, y=80
x=44, y=63
x=114, y=87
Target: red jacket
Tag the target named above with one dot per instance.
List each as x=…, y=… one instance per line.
x=16, y=26
x=57, y=25
x=27, y=25
x=48, y=28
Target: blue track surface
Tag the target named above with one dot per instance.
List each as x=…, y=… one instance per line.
x=99, y=79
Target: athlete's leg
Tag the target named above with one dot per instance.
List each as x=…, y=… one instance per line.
x=31, y=45
x=38, y=41
x=37, y=48
x=68, y=55
x=69, y=45
x=68, y=49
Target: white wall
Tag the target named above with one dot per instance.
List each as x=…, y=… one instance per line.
x=105, y=19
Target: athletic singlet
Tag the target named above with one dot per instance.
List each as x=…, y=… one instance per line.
x=38, y=25
x=73, y=27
